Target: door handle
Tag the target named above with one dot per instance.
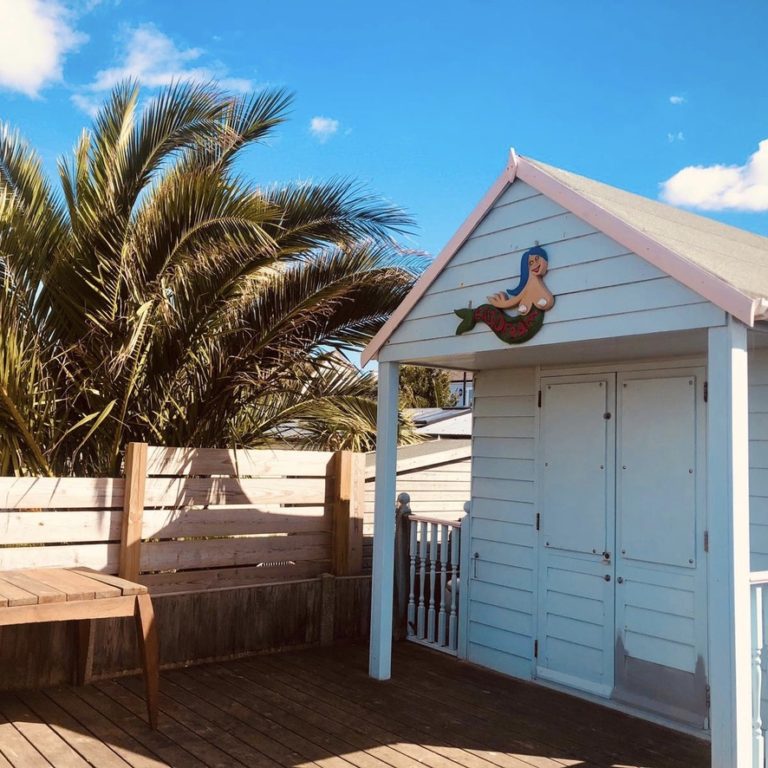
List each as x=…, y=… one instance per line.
x=607, y=577
x=620, y=580
x=607, y=557
x=475, y=558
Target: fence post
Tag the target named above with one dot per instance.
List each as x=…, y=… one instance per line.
x=327, y=608
x=347, y=517
x=133, y=510
x=402, y=565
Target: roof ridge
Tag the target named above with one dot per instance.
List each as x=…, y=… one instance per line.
x=660, y=205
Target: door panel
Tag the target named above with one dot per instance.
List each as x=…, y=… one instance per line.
x=660, y=568
x=576, y=495
x=574, y=455
x=657, y=481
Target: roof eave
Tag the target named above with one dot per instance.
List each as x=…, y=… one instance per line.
x=743, y=307
x=506, y=177
x=698, y=279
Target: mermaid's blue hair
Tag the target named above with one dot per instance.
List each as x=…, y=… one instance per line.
x=537, y=250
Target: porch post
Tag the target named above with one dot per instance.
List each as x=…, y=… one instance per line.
x=382, y=588
x=728, y=568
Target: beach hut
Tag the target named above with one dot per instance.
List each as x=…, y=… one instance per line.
x=620, y=361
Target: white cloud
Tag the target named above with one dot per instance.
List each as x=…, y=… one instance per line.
x=154, y=60
x=87, y=104
x=322, y=128
x=722, y=187
x=678, y=136
x=35, y=36
x=677, y=99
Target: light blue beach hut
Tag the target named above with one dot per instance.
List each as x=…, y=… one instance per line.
x=620, y=448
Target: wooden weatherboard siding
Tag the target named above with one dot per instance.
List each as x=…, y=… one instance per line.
x=500, y=624
x=601, y=289
x=436, y=475
x=758, y=458
x=758, y=472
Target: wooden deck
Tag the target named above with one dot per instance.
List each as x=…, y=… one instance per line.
x=318, y=708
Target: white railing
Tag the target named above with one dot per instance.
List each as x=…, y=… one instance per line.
x=758, y=582
x=433, y=582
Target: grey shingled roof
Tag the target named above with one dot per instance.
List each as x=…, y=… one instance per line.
x=732, y=254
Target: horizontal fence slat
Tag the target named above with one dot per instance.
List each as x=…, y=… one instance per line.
x=58, y=526
x=61, y=493
x=221, y=578
x=215, y=553
x=236, y=463
x=182, y=492
x=229, y=521
x=100, y=557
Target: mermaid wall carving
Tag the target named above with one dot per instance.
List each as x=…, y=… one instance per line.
x=531, y=298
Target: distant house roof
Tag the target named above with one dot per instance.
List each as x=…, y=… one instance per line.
x=724, y=264
x=441, y=422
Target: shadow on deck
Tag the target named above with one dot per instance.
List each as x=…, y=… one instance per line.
x=318, y=708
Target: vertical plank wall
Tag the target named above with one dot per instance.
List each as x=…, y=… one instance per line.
x=501, y=607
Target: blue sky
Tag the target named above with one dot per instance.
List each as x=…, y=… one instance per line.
x=422, y=100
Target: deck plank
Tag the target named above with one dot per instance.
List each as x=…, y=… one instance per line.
x=197, y=714
x=606, y=737
x=318, y=714
x=348, y=715
x=17, y=750
x=295, y=719
x=176, y=725
x=293, y=745
x=250, y=726
x=92, y=750
x=351, y=714
x=46, y=741
x=317, y=708
x=456, y=733
x=160, y=745
x=610, y=729
x=94, y=722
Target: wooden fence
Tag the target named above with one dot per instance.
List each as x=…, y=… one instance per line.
x=236, y=547
x=231, y=543
x=193, y=519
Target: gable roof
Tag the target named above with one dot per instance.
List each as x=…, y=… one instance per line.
x=724, y=264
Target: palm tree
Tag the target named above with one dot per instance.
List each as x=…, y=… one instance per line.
x=159, y=295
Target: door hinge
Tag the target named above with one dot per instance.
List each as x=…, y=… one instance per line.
x=535, y=649
x=706, y=541
x=708, y=698
x=706, y=391
x=538, y=521
x=539, y=398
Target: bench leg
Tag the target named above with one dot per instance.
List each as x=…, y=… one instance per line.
x=146, y=632
x=84, y=651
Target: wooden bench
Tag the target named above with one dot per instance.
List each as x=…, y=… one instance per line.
x=79, y=594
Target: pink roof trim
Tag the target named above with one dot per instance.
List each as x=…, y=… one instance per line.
x=711, y=287
x=506, y=177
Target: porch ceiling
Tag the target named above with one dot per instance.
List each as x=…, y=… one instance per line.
x=625, y=348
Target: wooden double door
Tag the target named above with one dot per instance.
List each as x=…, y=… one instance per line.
x=621, y=570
